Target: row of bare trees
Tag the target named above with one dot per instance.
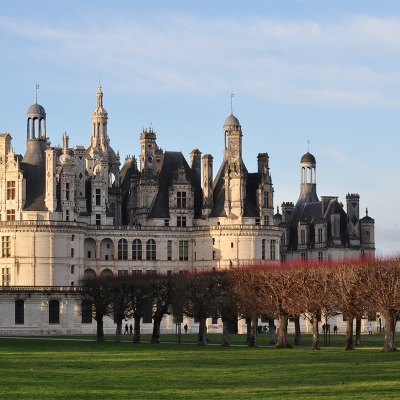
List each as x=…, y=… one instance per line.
x=353, y=288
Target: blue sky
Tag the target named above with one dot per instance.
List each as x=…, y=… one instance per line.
x=319, y=71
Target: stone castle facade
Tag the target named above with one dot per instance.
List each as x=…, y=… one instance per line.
x=68, y=212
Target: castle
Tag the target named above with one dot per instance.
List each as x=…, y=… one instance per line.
x=68, y=212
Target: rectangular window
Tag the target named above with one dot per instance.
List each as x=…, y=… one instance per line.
x=283, y=257
x=54, y=312
x=122, y=272
x=72, y=253
x=303, y=257
x=98, y=219
x=180, y=221
x=10, y=215
x=266, y=199
x=67, y=191
x=72, y=269
x=272, y=248
x=169, y=250
x=320, y=236
x=166, y=222
x=98, y=197
x=257, y=221
x=183, y=250
x=320, y=256
x=19, y=312
x=87, y=307
x=181, y=200
x=303, y=237
x=67, y=215
x=214, y=320
x=5, y=276
x=10, y=190
x=5, y=246
x=283, y=239
x=72, y=238
x=263, y=249
x=89, y=254
x=213, y=255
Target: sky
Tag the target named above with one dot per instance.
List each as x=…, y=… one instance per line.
x=316, y=75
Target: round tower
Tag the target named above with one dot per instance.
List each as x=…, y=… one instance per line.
x=36, y=122
x=308, y=178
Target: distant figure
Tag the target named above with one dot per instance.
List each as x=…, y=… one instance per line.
x=335, y=329
x=369, y=329
x=131, y=329
x=126, y=329
x=323, y=328
x=185, y=328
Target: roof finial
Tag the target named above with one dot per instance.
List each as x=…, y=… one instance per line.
x=308, y=146
x=37, y=87
x=366, y=211
x=232, y=95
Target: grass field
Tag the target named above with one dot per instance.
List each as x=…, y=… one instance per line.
x=76, y=367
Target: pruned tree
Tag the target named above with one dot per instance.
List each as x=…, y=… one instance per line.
x=97, y=291
x=382, y=287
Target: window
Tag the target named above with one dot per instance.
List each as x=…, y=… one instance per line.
x=213, y=241
x=122, y=249
x=181, y=200
x=169, y=250
x=183, y=250
x=151, y=250
x=89, y=254
x=320, y=236
x=19, y=312
x=72, y=238
x=263, y=249
x=98, y=197
x=214, y=255
x=137, y=272
x=54, y=312
x=5, y=276
x=137, y=249
x=320, y=256
x=272, y=249
x=10, y=215
x=72, y=269
x=283, y=257
x=180, y=221
x=5, y=246
x=122, y=272
x=67, y=191
x=214, y=320
x=257, y=221
x=266, y=199
x=231, y=245
x=10, y=190
x=166, y=222
x=87, y=307
x=67, y=215
x=98, y=219
x=283, y=239
x=303, y=257
x=303, y=236
x=72, y=253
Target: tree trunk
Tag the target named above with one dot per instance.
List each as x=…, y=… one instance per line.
x=226, y=336
x=282, y=335
x=253, y=336
x=136, y=329
x=349, y=333
x=390, y=329
x=297, y=332
x=271, y=326
x=202, y=339
x=248, y=331
x=155, y=337
x=100, y=328
x=315, y=333
x=118, y=331
x=358, y=331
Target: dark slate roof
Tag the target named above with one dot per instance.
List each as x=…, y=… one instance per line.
x=128, y=169
x=312, y=213
x=167, y=169
x=34, y=166
x=308, y=157
x=250, y=204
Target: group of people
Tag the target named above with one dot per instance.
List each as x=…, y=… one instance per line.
x=128, y=330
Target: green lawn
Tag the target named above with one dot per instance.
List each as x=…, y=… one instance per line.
x=49, y=368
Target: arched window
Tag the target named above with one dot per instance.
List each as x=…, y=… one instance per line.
x=19, y=312
x=122, y=249
x=137, y=249
x=151, y=250
x=54, y=312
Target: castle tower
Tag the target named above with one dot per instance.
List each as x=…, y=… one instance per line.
x=207, y=183
x=99, y=123
x=235, y=182
x=148, y=152
x=308, y=179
